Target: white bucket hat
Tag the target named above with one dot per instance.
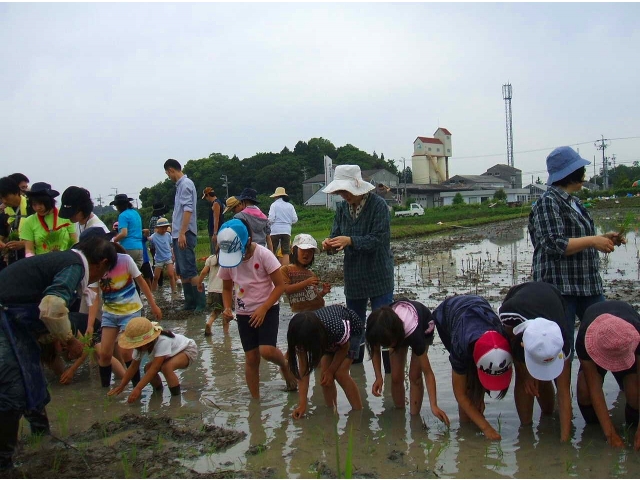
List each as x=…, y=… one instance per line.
x=305, y=241
x=543, y=344
x=349, y=178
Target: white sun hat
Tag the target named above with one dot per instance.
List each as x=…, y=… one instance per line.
x=305, y=241
x=543, y=344
x=349, y=178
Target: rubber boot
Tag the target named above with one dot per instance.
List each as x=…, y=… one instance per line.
x=175, y=390
x=136, y=377
x=105, y=375
x=8, y=437
x=201, y=299
x=189, y=297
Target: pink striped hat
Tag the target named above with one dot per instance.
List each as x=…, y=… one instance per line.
x=611, y=342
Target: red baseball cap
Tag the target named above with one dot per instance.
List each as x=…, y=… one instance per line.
x=492, y=356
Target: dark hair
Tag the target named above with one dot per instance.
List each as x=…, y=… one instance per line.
x=517, y=350
x=246, y=224
x=573, y=177
x=306, y=334
x=285, y=197
x=168, y=333
x=120, y=249
x=121, y=207
x=294, y=254
x=45, y=200
x=19, y=177
x=96, y=249
x=86, y=208
x=384, y=327
x=8, y=185
x=171, y=163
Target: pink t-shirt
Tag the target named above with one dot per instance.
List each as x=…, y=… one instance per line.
x=251, y=280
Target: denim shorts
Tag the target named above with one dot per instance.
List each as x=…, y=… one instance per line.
x=118, y=321
x=186, y=259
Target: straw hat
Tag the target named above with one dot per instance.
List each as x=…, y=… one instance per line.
x=348, y=178
x=163, y=222
x=138, y=332
x=280, y=192
x=231, y=202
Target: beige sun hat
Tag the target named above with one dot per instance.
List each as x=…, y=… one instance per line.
x=305, y=241
x=163, y=222
x=139, y=331
x=280, y=192
x=231, y=202
x=348, y=178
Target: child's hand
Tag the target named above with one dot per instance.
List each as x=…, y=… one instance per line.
x=134, y=395
x=376, y=389
x=326, y=380
x=115, y=391
x=326, y=288
x=156, y=312
x=200, y=287
x=615, y=441
x=257, y=317
x=441, y=415
x=67, y=377
x=227, y=314
x=491, y=434
x=299, y=411
x=312, y=281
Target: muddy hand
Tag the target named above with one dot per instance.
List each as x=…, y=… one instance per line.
x=299, y=412
x=491, y=434
x=438, y=412
x=115, y=391
x=134, y=395
x=376, y=389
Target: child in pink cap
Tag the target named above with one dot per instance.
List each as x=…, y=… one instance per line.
x=401, y=325
x=608, y=340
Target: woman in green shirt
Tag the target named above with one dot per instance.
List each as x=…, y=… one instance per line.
x=44, y=231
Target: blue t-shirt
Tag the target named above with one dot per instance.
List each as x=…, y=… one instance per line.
x=130, y=219
x=162, y=243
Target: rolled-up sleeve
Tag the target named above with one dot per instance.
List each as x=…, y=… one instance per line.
x=379, y=233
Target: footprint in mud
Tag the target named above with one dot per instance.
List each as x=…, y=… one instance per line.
x=256, y=449
x=395, y=456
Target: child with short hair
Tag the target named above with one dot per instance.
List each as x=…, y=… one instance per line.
x=329, y=337
x=214, y=291
x=401, y=325
x=301, y=285
x=253, y=272
x=167, y=351
x=161, y=241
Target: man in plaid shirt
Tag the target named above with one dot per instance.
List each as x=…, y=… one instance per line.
x=564, y=237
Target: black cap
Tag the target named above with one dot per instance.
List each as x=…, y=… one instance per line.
x=72, y=199
x=92, y=232
x=248, y=194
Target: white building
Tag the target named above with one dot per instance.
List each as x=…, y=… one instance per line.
x=430, y=159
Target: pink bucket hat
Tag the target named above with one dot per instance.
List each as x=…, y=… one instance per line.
x=611, y=342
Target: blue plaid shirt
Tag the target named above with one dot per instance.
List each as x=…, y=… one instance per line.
x=368, y=263
x=552, y=222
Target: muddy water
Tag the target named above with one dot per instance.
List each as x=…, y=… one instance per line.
x=386, y=442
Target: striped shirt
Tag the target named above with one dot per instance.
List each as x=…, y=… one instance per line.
x=554, y=219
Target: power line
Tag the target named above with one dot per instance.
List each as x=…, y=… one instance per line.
x=545, y=149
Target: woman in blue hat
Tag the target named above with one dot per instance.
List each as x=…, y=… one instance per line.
x=564, y=237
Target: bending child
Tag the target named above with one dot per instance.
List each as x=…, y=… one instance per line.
x=401, y=325
x=167, y=351
x=479, y=354
x=329, y=337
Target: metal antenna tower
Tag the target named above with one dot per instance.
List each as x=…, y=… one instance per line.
x=506, y=94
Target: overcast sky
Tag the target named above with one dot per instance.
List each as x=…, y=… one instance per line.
x=100, y=95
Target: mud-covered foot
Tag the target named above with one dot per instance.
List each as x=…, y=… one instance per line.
x=207, y=330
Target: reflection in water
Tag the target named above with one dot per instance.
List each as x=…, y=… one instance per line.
x=387, y=442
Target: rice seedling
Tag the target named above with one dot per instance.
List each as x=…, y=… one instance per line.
x=63, y=420
x=348, y=464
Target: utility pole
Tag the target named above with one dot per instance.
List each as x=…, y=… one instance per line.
x=225, y=184
x=99, y=198
x=404, y=175
x=602, y=146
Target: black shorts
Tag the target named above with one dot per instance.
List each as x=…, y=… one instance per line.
x=283, y=241
x=265, y=334
x=146, y=271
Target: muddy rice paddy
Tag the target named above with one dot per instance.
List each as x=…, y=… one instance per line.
x=214, y=429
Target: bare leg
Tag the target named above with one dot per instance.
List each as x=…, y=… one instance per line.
x=398, y=360
x=416, y=386
x=348, y=384
x=176, y=362
x=274, y=355
x=329, y=392
x=252, y=371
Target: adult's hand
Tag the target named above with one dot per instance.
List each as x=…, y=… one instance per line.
x=603, y=244
x=339, y=243
x=182, y=241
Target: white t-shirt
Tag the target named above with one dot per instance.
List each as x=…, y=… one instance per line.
x=251, y=280
x=215, y=282
x=165, y=347
x=93, y=221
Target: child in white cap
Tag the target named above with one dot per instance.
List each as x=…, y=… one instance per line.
x=534, y=317
x=301, y=284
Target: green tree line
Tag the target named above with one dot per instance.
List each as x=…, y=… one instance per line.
x=264, y=171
